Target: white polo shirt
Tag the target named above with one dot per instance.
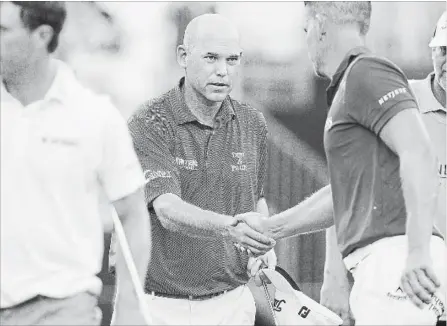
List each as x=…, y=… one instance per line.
x=58, y=158
x=434, y=117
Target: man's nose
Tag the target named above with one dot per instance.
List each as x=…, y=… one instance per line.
x=221, y=68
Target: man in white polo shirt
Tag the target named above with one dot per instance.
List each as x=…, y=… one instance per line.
x=62, y=148
x=430, y=94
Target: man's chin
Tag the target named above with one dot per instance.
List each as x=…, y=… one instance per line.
x=217, y=97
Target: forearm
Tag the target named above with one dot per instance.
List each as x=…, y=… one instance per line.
x=313, y=214
x=334, y=268
x=419, y=184
x=136, y=226
x=179, y=216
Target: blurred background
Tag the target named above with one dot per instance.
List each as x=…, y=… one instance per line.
x=127, y=50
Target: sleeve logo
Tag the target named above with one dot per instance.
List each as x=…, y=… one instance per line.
x=151, y=175
x=392, y=95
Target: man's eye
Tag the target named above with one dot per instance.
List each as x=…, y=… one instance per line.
x=210, y=58
x=233, y=61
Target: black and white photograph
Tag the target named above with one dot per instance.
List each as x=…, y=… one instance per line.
x=255, y=163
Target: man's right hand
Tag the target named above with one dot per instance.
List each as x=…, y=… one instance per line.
x=334, y=295
x=255, y=220
x=248, y=237
x=419, y=280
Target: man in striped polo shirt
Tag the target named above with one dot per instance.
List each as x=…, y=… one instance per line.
x=204, y=156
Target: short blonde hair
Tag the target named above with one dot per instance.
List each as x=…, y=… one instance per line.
x=344, y=12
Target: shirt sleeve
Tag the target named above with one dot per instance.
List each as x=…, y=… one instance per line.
x=119, y=171
x=152, y=143
x=376, y=90
x=262, y=157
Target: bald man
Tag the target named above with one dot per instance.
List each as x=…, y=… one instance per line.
x=204, y=156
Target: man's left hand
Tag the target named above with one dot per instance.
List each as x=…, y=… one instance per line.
x=255, y=266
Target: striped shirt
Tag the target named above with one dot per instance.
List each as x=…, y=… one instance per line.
x=221, y=169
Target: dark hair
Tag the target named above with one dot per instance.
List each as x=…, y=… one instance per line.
x=344, y=12
x=36, y=13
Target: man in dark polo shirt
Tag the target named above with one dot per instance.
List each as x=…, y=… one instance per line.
x=383, y=175
x=430, y=94
x=204, y=156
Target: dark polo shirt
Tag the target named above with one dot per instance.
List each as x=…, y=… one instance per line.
x=221, y=169
x=365, y=93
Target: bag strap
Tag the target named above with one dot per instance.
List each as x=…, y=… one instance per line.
x=288, y=278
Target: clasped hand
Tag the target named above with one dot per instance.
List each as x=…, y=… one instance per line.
x=249, y=233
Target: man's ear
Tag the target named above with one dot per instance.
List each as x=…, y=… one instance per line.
x=182, y=53
x=43, y=35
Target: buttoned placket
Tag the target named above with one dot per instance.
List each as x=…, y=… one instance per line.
x=211, y=133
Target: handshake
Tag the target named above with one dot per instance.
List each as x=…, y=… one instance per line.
x=250, y=232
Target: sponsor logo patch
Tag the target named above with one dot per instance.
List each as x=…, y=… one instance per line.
x=186, y=164
x=392, y=95
x=151, y=175
x=239, y=166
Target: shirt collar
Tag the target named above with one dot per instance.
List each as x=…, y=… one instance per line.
x=432, y=104
x=62, y=89
x=182, y=114
x=349, y=57
x=65, y=86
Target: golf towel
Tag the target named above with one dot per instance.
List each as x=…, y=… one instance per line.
x=290, y=306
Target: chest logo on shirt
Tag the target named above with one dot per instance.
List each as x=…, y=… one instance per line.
x=59, y=141
x=328, y=124
x=186, y=164
x=239, y=166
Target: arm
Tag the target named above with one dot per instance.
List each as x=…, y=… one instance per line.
x=336, y=287
x=405, y=135
x=334, y=268
x=121, y=177
x=313, y=214
x=179, y=216
x=136, y=224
